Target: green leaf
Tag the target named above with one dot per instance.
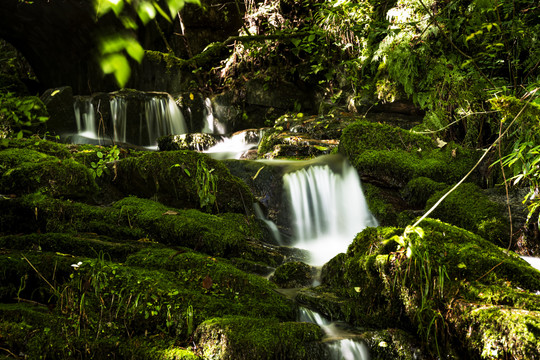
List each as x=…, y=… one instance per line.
x=175, y=6
x=117, y=65
x=146, y=12
x=296, y=41
x=135, y=50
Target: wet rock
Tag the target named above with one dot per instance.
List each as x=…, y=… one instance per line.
x=59, y=104
x=303, y=137
x=193, y=141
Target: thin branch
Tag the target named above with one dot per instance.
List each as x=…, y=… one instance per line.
x=477, y=163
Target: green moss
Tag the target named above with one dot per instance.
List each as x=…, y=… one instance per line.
x=253, y=338
x=293, y=274
x=40, y=213
x=386, y=205
x=496, y=332
x=394, y=156
x=418, y=290
x=58, y=178
x=468, y=207
x=170, y=177
x=85, y=244
x=363, y=135
x=48, y=147
x=222, y=235
x=419, y=190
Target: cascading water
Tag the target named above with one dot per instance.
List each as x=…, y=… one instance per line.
x=135, y=120
x=328, y=209
x=161, y=117
x=235, y=146
x=340, y=345
x=85, y=117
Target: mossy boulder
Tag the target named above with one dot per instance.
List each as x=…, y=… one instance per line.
x=176, y=178
x=387, y=205
x=470, y=208
x=193, y=141
x=392, y=157
x=303, y=137
x=417, y=280
x=27, y=171
x=418, y=191
x=254, y=338
x=293, y=274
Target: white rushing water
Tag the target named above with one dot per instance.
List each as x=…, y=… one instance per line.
x=328, y=209
x=162, y=117
x=340, y=344
x=85, y=117
x=159, y=116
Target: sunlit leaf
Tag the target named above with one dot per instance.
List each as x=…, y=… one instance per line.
x=175, y=6
x=162, y=12
x=146, y=12
x=118, y=65
x=134, y=49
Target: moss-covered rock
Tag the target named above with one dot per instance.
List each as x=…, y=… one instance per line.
x=416, y=281
x=470, y=208
x=392, y=156
x=193, y=141
x=387, y=206
x=26, y=171
x=303, y=137
x=253, y=338
x=176, y=178
x=363, y=135
x=293, y=274
x=419, y=190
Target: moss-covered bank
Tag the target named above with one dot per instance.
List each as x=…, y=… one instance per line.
x=443, y=284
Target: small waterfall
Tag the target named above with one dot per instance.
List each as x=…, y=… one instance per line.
x=138, y=118
x=85, y=116
x=211, y=124
x=119, y=118
x=272, y=227
x=328, y=209
x=161, y=117
x=340, y=344
x=236, y=146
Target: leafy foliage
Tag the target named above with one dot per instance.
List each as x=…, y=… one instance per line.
x=115, y=47
x=21, y=114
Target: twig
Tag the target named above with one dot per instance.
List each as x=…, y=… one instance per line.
x=41, y=276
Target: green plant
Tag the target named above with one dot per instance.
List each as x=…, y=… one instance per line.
x=206, y=182
x=21, y=114
x=423, y=281
x=105, y=157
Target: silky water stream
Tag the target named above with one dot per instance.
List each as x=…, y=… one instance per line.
x=327, y=209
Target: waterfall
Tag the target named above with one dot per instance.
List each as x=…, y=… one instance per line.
x=340, y=344
x=211, y=124
x=161, y=117
x=328, y=209
x=139, y=119
x=235, y=146
x=85, y=117
x=119, y=118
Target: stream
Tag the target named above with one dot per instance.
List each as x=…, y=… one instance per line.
x=324, y=195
